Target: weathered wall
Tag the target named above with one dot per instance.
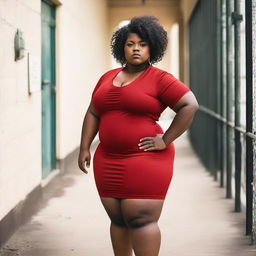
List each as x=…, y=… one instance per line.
x=81, y=51
x=20, y=114
x=187, y=7
x=82, y=57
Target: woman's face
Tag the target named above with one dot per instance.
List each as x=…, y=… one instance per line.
x=136, y=51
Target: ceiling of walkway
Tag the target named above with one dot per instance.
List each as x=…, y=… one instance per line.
x=128, y=3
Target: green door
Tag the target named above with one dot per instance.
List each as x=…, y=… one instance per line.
x=48, y=88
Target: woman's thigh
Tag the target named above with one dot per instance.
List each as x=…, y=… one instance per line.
x=140, y=212
x=113, y=209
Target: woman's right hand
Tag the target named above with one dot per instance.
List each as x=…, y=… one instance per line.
x=84, y=156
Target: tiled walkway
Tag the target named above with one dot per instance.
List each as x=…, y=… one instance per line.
x=197, y=219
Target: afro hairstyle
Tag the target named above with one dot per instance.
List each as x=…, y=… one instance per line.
x=149, y=30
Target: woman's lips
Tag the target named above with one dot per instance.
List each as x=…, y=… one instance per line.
x=136, y=56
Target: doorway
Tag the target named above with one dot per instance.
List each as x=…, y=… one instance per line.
x=48, y=88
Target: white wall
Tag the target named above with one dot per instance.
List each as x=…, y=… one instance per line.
x=187, y=7
x=82, y=56
x=20, y=118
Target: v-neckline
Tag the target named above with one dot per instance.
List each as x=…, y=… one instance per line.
x=133, y=81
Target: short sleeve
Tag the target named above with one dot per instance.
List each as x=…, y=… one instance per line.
x=171, y=89
x=97, y=85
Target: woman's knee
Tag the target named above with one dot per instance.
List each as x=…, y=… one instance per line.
x=139, y=221
x=118, y=221
x=141, y=212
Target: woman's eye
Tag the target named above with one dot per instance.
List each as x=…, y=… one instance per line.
x=143, y=44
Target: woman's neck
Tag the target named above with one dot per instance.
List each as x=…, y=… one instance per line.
x=129, y=68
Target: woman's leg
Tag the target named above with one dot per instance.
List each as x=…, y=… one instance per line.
x=141, y=216
x=119, y=232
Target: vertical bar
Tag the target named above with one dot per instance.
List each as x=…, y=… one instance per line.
x=253, y=237
x=223, y=90
x=238, y=147
x=213, y=99
x=219, y=75
x=249, y=114
x=230, y=102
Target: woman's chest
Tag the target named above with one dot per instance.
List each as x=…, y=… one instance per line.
x=139, y=98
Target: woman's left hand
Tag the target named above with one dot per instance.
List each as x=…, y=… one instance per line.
x=152, y=143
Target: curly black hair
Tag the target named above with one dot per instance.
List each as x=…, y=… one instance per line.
x=149, y=30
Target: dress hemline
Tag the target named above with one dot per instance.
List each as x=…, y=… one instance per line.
x=132, y=196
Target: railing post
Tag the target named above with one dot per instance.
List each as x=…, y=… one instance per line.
x=230, y=97
x=223, y=93
x=254, y=122
x=249, y=118
x=219, y=87
x=236, y=19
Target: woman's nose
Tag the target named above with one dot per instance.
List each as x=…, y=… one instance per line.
x=136, y=47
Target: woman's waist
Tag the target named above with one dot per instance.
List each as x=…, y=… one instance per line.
x=126, y=136
x=121, y=151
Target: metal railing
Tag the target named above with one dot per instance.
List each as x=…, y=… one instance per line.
x=221, y=134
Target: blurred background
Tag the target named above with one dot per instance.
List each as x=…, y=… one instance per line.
x=52, y=53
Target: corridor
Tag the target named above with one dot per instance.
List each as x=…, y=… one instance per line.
x=53, y=54
x=197, y=219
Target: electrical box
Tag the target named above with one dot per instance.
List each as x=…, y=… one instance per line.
x=19, y=45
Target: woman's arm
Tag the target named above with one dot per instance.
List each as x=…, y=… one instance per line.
x=185, y=110
x=89, y=131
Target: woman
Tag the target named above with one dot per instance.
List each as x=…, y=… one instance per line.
x=133, y=164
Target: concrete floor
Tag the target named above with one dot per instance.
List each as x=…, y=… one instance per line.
x=197, y=219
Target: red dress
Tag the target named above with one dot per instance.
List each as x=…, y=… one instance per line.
x=127, y=114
